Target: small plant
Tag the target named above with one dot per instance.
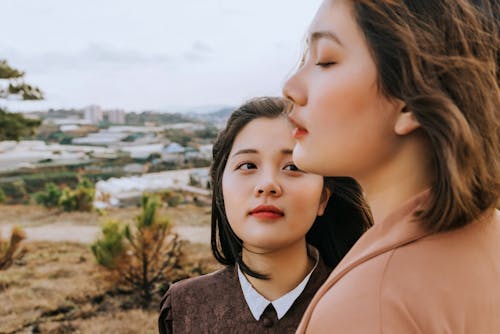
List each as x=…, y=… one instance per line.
x=80, y=199
x=193, y=181
x=10, y=250
x=109, y=249
x=15, y=191
x=2, y=196
x=172, y=198
x=50, y=197
x=141, y=256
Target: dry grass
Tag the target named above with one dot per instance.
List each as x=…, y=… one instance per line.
x=58, y=288
x=35, y=215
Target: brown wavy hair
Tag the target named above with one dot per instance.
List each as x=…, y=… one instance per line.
x=441, y=58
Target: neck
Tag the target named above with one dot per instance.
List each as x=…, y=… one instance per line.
x=286, y=268
x=397, y=181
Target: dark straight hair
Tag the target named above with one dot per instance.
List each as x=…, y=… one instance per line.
x=345, y=219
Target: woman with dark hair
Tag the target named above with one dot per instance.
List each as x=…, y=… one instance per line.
x=403, y=96
x=278, y=231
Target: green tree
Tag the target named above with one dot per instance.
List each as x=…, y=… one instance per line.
x=110, y=249
x=49, y=197
x=15, y=191
x=14, y=126
x=79, y=199
x=142, y=256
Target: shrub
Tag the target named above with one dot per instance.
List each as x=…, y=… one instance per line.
x=80, y=199
x=193, y=181
x=2, y=196
x=141, y=256
x=50, y=197
x=109, y=249
x=172, y=198
x=10, y=250
x=68, y=200
x=15, y=191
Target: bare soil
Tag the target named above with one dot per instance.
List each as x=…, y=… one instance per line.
x=191, y=222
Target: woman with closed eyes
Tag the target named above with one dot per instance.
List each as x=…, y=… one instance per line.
x=403, y=96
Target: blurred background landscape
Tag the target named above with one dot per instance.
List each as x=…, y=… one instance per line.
x=108, y=113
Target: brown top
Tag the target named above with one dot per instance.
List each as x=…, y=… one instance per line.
x=214, y=303
x=399, y=278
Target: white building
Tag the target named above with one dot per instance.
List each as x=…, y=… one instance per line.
x=102, y=138
x=143, y=151
x=93, y=114
x=31, y=153
x=174, y=152
x=117, y=191
x=116, y=116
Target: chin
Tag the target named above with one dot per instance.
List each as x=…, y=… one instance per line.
x=307, y=161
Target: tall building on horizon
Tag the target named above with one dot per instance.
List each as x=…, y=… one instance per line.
x=116, y=116
x=93, y=114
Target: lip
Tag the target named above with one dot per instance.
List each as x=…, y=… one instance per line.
x=267, y=212
x=299, y=131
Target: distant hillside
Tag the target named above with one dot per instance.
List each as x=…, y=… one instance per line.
x=218, y=116
x=133, y=118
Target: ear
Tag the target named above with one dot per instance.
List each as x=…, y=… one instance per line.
x=405, y=122
x=325, y=196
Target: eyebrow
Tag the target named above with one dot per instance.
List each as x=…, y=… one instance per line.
x=316, y=35
x=254, y=151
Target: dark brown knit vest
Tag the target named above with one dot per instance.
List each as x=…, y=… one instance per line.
x=214, y=303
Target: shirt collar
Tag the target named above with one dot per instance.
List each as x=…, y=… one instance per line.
x=258, y=303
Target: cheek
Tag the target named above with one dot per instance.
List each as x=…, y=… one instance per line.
x=306, y=196
x=229, y=195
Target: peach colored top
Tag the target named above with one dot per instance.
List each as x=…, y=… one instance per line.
x=399, y=278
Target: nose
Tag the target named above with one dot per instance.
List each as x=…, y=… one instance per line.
x=294, y=89
x=268, y=187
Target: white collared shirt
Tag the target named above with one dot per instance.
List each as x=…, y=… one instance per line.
x=258, y=303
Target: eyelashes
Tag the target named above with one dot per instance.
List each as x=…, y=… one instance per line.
x=289, y=167
x=293, y=168
x=246, y=166
x=325, y=64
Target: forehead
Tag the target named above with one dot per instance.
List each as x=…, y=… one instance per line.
x=265, y=133
x=335, y=17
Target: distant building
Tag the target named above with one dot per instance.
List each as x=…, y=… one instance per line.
x=102, y=138
x=32, y=153
x=116, y=116
x=206, y=151
x=93, y=114
x=143, y=152
x=127, y=191
x=174, y=152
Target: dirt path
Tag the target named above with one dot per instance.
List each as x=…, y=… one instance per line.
x=87, y=234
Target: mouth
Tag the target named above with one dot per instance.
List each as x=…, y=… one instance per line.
x=267, y=212
x=299, y=131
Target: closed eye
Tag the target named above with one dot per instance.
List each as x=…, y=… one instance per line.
x=325, y=64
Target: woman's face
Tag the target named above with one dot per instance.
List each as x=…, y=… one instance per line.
x=344, y=126
x=269, y=203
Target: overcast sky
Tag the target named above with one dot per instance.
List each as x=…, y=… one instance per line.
x=153, y=54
